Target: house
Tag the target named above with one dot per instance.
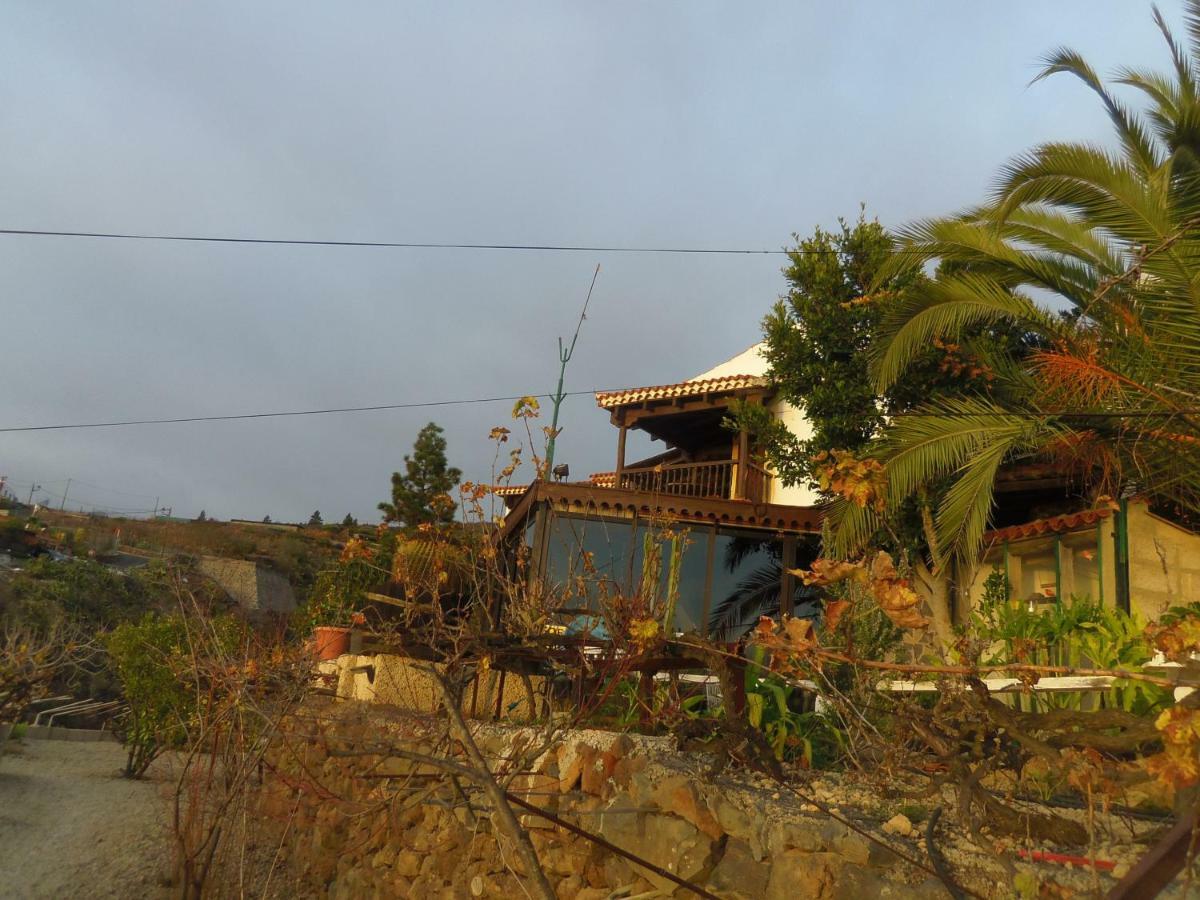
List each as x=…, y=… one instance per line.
x=1128, y=554
x=710, y=510
x=705, y=521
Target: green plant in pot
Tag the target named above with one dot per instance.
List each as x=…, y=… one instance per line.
x=338, y=596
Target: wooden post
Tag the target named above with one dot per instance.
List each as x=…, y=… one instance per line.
x=743, y=461
x=620, y=453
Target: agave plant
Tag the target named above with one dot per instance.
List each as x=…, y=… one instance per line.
x=1094, y=253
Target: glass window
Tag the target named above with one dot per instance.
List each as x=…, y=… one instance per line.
x=670, y=567
x=1081, y=558
x=588, y=560
x=807, y=600
x=747, y=581
x=1033, y=571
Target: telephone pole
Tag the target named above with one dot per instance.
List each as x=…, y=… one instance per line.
x=63, y=505
x=32, y=488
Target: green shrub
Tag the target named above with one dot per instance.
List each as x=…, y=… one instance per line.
x=1078, y=633
x=810, y=737
x=149, y=657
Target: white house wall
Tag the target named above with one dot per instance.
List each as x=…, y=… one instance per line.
x=751, y=362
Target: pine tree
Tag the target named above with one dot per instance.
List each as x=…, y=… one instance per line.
x=349, y=521
x=203, y=517
x=420, y=494
x=315, y=521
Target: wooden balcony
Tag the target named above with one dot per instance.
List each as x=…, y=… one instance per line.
x=720, y=480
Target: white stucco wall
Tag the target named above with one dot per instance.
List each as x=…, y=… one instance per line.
x=751, y=362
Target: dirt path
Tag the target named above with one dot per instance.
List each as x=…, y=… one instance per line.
x=71, y=826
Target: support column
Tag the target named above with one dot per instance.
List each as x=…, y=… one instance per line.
x=743, y=461
x=620, y=452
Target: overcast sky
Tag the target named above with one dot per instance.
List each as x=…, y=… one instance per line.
x=638, y=123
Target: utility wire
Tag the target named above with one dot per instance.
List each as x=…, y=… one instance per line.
x=411, y=245
x=949, y=414
x=276, y=415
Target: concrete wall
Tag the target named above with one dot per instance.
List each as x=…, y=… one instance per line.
x=275, y=593
x=402, y=683
x=254, y=587
x=1164, y=563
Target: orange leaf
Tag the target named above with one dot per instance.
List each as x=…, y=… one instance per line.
x=834, y=612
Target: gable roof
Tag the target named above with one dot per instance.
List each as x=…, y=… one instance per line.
x=724, y=384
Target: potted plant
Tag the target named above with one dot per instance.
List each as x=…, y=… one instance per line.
x=337, y=600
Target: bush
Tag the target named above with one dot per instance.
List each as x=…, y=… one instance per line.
x=80, y=592
x=148, y=657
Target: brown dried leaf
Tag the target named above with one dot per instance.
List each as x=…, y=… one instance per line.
x=834, y=611
x=829, y=571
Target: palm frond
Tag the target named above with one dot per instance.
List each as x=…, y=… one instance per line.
x=1138, y=144
x=946, y=309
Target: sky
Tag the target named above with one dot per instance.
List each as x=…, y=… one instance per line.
x=679, y=124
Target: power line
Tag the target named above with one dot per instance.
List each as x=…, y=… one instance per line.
x=425, y=404
x=276, y=415
x=409, y=245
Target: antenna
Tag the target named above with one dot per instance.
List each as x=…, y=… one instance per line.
x=564, y=357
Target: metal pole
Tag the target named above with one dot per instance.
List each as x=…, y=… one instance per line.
x=564, y=357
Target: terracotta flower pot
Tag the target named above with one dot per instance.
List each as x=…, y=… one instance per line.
x=331, y=641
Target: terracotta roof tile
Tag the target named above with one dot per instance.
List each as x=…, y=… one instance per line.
x=603, y=479
x=612, y=399
x=509, y=490
x=1051, y=525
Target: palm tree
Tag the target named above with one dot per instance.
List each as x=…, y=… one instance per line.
x=1093, y=252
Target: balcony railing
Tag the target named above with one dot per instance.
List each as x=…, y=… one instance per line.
x=716, y=480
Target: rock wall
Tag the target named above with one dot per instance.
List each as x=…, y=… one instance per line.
x=354, y=825
x=255, y=588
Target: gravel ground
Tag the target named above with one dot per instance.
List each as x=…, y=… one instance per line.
x=70, y=825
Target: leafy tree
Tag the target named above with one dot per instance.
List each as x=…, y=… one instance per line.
x=1113, y=236
x=817, y=338
x=349, y=521
x=203, y=517
x=420, y=494
x=315, y=521
x=266, y=520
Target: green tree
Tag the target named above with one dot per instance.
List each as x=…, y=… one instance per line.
x=349, y=521
x=420, y=494
x=1113, y=235
x=817, y=338
x=315, y=521
x=203, y=517
x=816, y=342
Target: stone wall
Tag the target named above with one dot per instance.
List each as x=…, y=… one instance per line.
x=350, y=829
x=255, y=588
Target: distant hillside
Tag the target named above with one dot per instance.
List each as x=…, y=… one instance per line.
x=297, y=554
